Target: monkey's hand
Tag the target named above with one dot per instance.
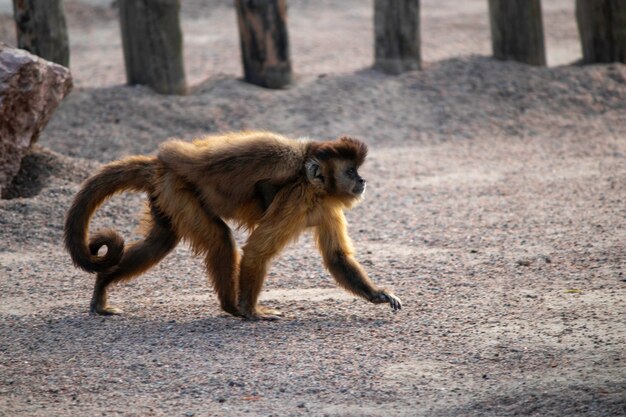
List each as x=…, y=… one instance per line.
x=386, y=296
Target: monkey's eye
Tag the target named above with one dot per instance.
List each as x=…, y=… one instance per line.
x=351, y=172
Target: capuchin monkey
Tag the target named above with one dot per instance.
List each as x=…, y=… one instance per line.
x=274, y=186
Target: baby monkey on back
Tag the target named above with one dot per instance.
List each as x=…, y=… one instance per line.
x=274, y=186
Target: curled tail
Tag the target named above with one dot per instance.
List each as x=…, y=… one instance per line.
x=131, y=174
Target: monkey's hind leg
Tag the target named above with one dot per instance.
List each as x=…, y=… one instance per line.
x=137, y=258
x=210, y=237
x=222, y=264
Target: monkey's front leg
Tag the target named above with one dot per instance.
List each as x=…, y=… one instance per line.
x=350, y=275
x=252, y=273
x=277, y=229
x=386, y=296
x=336, y=248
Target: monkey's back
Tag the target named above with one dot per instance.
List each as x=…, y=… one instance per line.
x=225, y=169
x=239, y=157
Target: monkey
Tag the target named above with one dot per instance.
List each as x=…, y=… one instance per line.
x=273, y=186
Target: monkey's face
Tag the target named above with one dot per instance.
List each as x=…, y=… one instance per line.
x=338, y=178
x=348, y=182
x=333, y=168
x=344, y=181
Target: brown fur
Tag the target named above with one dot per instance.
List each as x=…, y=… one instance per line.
x=274, y=186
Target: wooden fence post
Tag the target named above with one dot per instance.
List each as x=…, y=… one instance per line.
x=517, y=31
x=602, y=28
x=397, y=35
x=153, y=44
x=264, y=42
x=41, y=29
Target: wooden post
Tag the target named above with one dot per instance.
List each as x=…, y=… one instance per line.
x=602, y=28
x=517, y=31
x=153, y=44
x=397, y=35
x=41, y=29
x=264, y=42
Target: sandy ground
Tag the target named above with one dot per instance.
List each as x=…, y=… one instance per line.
x=496, y=209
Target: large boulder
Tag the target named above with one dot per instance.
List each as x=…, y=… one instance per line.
x=31, y=88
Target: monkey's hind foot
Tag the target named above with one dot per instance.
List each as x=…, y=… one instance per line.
x=105, y=311
x=231, y=310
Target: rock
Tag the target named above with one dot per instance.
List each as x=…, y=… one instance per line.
x=31, y=88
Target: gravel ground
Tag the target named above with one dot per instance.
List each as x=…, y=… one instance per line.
x=496, y=209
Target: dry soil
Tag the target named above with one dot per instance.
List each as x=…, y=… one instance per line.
x=496, y=209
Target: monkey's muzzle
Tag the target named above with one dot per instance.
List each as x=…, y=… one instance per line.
x=359, y=188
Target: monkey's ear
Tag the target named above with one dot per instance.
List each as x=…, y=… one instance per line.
x=314, y=171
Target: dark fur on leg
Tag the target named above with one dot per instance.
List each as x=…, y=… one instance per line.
x=136, y=259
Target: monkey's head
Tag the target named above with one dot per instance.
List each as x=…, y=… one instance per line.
x=333, y=168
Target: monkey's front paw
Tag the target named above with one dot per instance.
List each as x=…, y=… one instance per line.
x=385, y=296
x=261, y=313
x=261, y=316
x=268, y=311
x=105, y=311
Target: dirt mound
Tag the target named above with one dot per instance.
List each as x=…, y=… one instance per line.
x=457, y=98
x=40, y=167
